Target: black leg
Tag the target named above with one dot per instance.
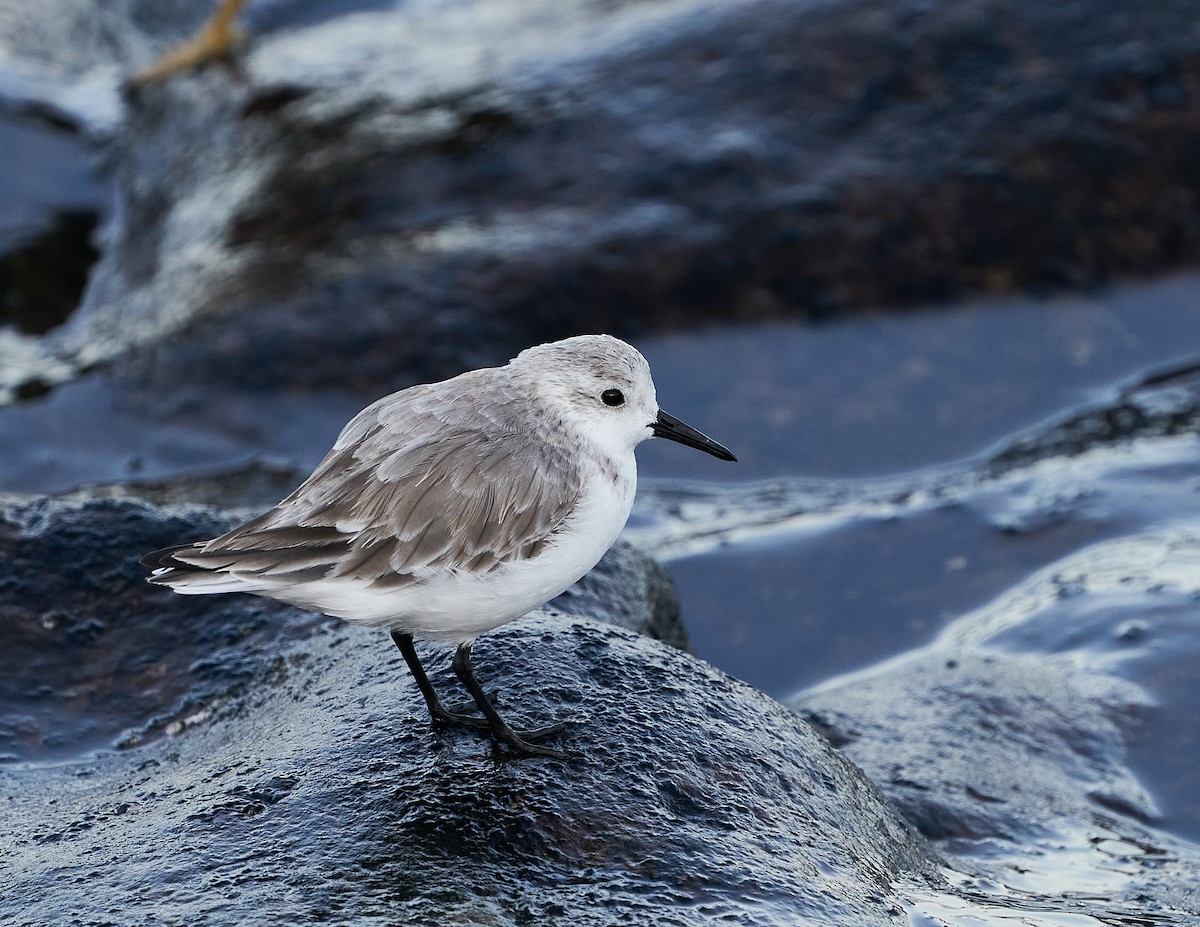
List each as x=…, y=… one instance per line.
x=501, y=731
x=438, y=712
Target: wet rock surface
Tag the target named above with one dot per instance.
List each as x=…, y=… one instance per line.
x=1012, y=746
x=1164, y=403
x=305, y=781
x=1012, y=749
x=1045, y=740
x=95, y=658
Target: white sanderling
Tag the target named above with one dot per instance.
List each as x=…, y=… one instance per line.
x=446, y=510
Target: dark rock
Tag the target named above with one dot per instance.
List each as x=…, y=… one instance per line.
x=1012, y=739
x=94, y=656
x=972, y=745
x=41, y=280
x=253, y=485
x=50, y=204
x=633, y=592
x=1163, y=404
x=1016, y=766
x=663, y=165
x=316, y=787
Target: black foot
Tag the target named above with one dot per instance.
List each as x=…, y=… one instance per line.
x=456, y=715
x=439, y=714
x=522, y=742
x=450, y=717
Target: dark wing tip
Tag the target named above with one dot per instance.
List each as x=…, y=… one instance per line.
x=157, y=559
x=154, y=559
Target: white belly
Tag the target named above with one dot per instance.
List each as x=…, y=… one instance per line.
x=459, y=606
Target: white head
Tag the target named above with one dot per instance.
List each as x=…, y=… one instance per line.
x=602, y=386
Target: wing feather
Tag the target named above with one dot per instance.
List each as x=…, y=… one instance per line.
x=404, y=492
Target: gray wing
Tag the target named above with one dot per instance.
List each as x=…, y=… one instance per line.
x=405, y=490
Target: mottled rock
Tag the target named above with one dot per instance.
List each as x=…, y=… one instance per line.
x=631, y=591
x=1164, y=403
x=50, y=204
x=94, y=656
x=974, y=745
x=310, y=785
x=1008, y=740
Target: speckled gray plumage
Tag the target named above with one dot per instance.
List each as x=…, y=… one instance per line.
x=380, y=506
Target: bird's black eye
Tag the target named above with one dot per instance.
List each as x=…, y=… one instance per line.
x=612, y=397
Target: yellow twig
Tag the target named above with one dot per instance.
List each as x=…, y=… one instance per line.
x=217, y=40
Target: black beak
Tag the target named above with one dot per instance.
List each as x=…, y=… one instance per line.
x=668, y=426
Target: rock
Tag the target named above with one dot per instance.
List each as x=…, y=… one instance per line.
x=95, y=656
x=256, y=484
x=631, y=591
x=1016, y=767
x=50, y=204
x=690, y=799
x=310, y=784
x=975, y=745
x=426, y=191
x=1007, y=740
x=1163, y=404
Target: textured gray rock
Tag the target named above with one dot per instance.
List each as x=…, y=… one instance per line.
x=1164, y=403
x=631, y=591
x=323, y=797
x=1007, y=740
x=94, y=656
x=974, y=745
x=302, y=782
